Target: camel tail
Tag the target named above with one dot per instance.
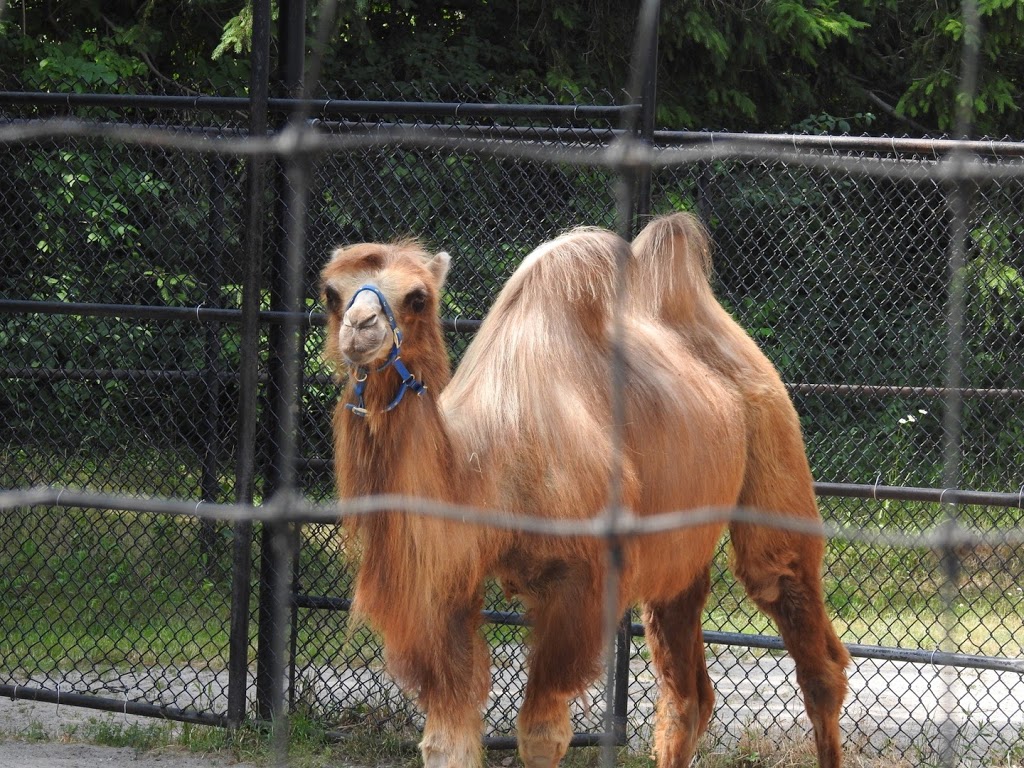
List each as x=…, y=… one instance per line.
x=672, y=266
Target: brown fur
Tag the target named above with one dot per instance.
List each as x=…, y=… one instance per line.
x=525, y=428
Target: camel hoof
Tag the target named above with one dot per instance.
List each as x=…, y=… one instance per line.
x=441, y=758
x=542, y=754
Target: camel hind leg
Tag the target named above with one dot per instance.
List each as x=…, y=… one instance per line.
x=781, y=571
x=686, y=701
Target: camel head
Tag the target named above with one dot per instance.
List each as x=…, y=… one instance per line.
x=382, y=301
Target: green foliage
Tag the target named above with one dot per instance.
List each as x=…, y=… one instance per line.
x=825, y=124
x=85, y=195
x=136, y=47
x=761, y=66
x=843, y=281
x=237, y=35
x=934, y=93
x=995, y=284
x=109, y=733
x=85, y=65
x=811, y=27
x=104, y=224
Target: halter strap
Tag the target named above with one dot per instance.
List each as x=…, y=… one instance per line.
x=394, y=360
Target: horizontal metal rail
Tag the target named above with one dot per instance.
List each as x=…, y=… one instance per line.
x=321, y=106
x=890, y=145
x=322, y=602
x=143, y=709
x=212, y=131
x=195, y=314
x=665, y=138
x=500, y=743
x=930, y=495
x=124, y=706
x=935, y=147
x=523, y=133
x=845, y=390
x=113, y=374
x=66, y=498
x=138, y=374
x=883, y=390
x=455, y=324
x=744, y=640
x=860, y=651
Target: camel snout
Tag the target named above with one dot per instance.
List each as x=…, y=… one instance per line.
x=365, y=334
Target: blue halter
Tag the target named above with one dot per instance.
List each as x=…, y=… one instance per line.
x=394, y=360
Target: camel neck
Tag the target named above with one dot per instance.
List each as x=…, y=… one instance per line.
x=404, y=450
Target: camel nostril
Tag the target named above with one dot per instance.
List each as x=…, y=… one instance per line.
x=360, y=323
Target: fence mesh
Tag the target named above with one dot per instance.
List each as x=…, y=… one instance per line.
x=842, y=279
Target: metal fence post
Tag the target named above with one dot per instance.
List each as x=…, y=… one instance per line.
x=238, y=660
x=642, y=209
x=648, y=109
x=278, y=539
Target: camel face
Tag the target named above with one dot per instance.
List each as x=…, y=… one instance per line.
x=379, y=298
x=365, y=334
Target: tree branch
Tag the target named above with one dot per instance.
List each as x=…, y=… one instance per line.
x=890, y=110
x=160, y=76
x=149, y=62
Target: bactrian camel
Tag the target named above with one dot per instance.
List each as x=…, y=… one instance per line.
x=525, y=427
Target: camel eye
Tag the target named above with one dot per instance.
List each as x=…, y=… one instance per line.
x=416, y=301
x=332, y=297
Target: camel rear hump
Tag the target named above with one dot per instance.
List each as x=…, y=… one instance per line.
x=672, y=266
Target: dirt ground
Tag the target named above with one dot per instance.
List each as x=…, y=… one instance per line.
x=52, y=754
x=34, y=735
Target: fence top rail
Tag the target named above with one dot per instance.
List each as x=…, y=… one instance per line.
x=901, y=146
x=321, y=106
x=889, y=144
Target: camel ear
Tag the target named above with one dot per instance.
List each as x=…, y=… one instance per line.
x=438, y=265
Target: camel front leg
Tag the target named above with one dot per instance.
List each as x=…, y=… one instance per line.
x=566, y=638
x=446, y=663
x=451, y=739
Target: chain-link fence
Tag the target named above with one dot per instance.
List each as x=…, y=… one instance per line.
x=123, y=336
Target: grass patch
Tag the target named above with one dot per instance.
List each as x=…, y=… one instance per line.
x=899, y=597
x=35, y=731
x=109, y=733
x=313, y=744
x=96, y=588
x=92, y=588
